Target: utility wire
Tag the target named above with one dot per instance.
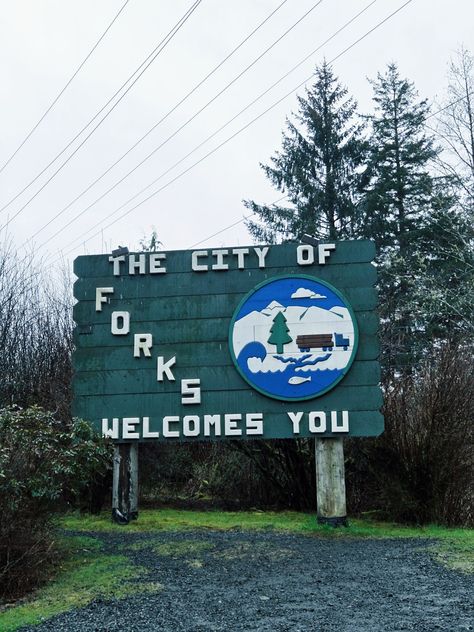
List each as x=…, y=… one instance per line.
x=64, y=88
x=175, y=107
x=189, y=120
x=181, y=174
x=242, y=219
x=220, y=231
x=464, y=96
x=140, y=70
x=205, y=140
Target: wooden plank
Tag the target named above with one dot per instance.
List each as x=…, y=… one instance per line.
x=284, y=255
x=214, y=353
x=140, y=405
x=197, y=331
x=276, y=425
x=143, y=380
x=231, y=282
x=201, y=306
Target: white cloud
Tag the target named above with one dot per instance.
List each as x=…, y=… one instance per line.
x=303, y=292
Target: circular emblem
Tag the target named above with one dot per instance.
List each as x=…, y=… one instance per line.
x=293, y=337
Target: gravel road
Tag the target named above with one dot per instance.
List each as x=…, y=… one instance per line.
x=232, y=581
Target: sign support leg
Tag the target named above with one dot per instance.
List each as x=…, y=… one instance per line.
x=133, y=515
x=330, y=482
x=125, y=483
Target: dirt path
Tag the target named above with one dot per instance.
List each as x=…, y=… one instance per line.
x=232, y=581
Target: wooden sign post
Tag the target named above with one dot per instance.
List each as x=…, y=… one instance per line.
x=330, y=482
x=234, y=343
x=125, y=483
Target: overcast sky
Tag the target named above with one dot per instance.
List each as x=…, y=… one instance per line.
x=44, y=41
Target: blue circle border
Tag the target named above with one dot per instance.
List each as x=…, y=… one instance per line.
x=295, y=276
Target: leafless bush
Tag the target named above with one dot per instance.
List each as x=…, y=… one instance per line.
x=35, y=334
x=422, y=468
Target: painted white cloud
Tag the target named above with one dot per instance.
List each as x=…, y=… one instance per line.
x=303, y=292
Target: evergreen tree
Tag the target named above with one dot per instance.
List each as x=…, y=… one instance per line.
x=279, y=333
x=319, y=168
x=409, y=213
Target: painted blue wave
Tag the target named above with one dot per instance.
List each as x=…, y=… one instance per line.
x=277, y=383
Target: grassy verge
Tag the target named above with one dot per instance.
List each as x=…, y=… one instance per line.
x=86, y=574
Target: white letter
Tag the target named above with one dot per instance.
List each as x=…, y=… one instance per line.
x=163, y=368
x=295, y=420
x=220, y=265
x=113, y=432
x=322, y=422
x=230, y=422
x=128, y=427
x=142, y=342
x=191, y=391
x=240, y=252
x=254, y=423
x=212, y=420
x=261, y=254
x=305, y=255
x=146, y=430
x=139, y=265
x=324, y=250
x=155, y=263
x=117, y=261
x=197, y=267
x=191, y=426
x=166, y=427
x=335, y=427
x=125, y=328
x=99, y=298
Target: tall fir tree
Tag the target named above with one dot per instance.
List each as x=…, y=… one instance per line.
x=408, y=212
x=319, y=168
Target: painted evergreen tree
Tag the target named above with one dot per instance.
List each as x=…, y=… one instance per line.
x=319, y=168
x=279, y=333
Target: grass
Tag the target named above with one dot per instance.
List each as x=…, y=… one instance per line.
x=89, y=573
x=177, y=548
x=86, y=574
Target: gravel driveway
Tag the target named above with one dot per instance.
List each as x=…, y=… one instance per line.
x=230, y=581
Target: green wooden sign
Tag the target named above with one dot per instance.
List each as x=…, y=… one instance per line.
x=258, y=342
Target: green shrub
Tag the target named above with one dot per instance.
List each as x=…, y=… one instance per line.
x=43, y=464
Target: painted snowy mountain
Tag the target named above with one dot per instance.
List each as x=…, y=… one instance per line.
x=299, y=320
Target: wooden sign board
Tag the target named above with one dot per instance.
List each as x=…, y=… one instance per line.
x=255, y=342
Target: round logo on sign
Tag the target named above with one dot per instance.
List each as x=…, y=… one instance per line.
x=293, y=338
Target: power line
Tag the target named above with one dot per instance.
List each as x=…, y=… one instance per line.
x=242, y=219
x=220, y=231
x=189, y=120
x=140, y=70
x=163, y=118
x=64, y=88
x=449, y=105
x=206, y=140
x=181, y=174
